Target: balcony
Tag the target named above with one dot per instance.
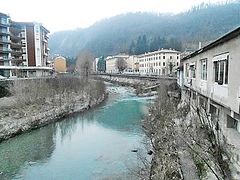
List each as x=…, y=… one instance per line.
x=4, y=23
x=4, y=32
x=5, y=50
x=15, y=38
x=16, y=45
x=17, y=61
x=4, y=58
x=16, y=53
x=15, y=30
x=4, y=41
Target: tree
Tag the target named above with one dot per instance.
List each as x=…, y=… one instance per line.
x=121, y=64
x=84, y=63
x=101, y=64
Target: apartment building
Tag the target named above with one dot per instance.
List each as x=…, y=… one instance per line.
x=5, y=51
x=161, y=62
x=211, y=78
x=23, y=48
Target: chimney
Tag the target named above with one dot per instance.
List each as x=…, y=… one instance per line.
x=199, y=45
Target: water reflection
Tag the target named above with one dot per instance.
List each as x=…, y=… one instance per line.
x=122, y=116
x=91, y=145
x=36, y=146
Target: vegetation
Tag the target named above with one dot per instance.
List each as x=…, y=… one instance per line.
x=55, y=91
x=176, y=127
x=84, y=63
x=123, y=33
x=121, y=64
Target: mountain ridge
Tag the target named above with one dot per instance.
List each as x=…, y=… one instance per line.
x=110, y=36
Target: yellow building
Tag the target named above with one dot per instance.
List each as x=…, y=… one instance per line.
x=60, y=65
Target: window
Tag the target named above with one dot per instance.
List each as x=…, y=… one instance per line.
x=163, y=57
x=221, y=71
x=231, y=122
x=170, y=57
x=187, y=70
x=203, y=69
x=192, y=71
x=177, y=57
x=163, y=63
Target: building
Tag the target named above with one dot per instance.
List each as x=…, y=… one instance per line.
x=60, y=65
x=23, y=48
x=132, y=64
x=111, y=62
x=211, y=78
x=5, y=51
x=161, y=62
x=95, y=63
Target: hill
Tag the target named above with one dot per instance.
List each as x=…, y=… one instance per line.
x=127, y=32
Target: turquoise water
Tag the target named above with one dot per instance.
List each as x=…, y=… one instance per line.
x=92, y=145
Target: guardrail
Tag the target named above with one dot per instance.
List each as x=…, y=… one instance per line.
x=155, y=77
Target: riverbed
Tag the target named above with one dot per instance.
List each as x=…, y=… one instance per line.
x=96, y=144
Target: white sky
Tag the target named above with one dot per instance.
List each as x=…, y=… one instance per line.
x=57, y=15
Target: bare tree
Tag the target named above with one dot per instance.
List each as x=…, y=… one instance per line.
x=121, y=64
x=84, y=63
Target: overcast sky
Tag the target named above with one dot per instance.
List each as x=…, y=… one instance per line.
x=57, y=15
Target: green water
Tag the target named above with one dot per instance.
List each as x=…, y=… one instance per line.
x=92, y=145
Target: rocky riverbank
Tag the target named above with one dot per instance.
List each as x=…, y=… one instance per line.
x=140, y=85
x=36, y=103
x=14, y=121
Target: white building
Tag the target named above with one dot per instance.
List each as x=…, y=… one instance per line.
x=161, y=62
x=211, y=78
x=132, y=64
x=111, y=62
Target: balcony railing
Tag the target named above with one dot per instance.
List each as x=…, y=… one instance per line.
x=5, y=58
x=4, y=32
x=4, y=40
x=16, y=53
x=5, y=50
x=17, y=45
x=4, y=23
x=15, y=38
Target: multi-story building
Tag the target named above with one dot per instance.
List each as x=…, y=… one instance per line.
x=211, y=77
x=161, y=62
x=111, y=62
x=132, y=64
x=5, y=51
x=24, y=48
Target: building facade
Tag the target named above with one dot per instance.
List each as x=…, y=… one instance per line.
x=5, y=51
x=60, y=65
x=111, y=62
x=211, y=77
x=132, y=64
x=23, y=49
x=161, y=62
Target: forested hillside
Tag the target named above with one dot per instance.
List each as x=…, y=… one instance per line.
x=135, y=33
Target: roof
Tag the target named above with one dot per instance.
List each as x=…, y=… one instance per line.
x=159, y=51
x=228, y=36
x=4, y=15
x=31, y=24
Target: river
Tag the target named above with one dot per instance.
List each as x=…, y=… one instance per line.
x=96, y=144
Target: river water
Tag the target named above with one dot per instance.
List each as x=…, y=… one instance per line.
x=92, y=145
